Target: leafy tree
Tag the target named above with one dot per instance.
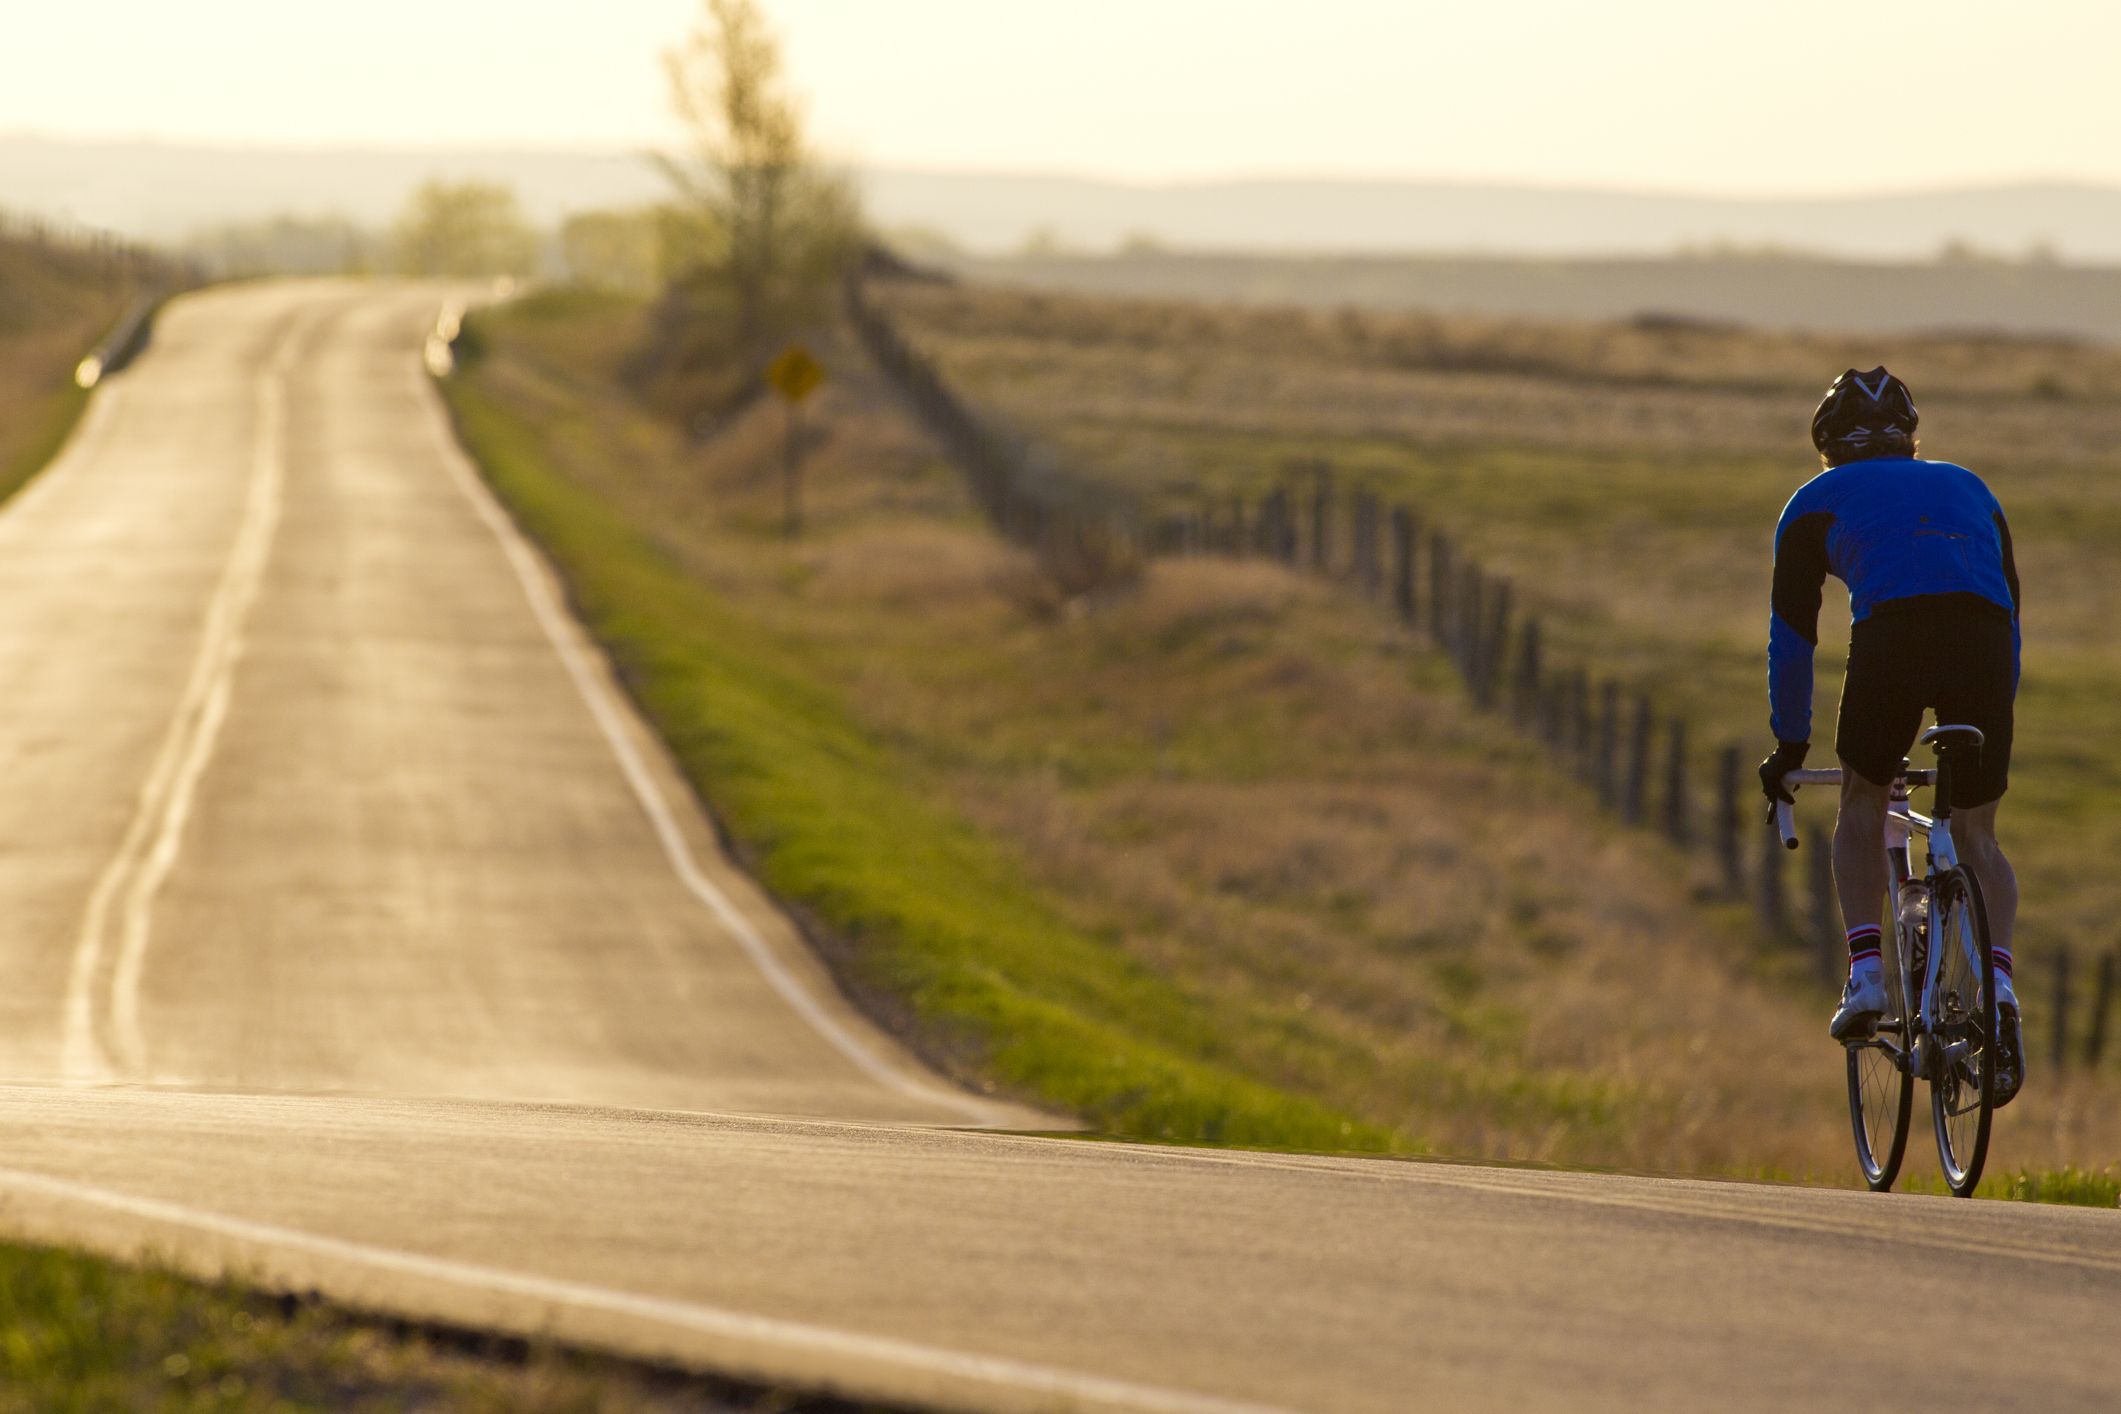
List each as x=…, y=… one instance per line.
x=464, y=229
x=619, y=251
x=770, y=229
x=287, y=244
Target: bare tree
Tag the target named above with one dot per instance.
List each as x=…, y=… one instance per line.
x=776, y=228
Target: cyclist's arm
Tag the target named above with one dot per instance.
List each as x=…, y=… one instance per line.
x=2010, y=573
x=1793, y=623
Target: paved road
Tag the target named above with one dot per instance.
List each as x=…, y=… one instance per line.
x=357, y=934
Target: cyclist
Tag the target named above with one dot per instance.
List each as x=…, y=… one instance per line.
x=1933, y=591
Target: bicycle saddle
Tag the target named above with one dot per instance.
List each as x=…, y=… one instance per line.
x=1952, y=738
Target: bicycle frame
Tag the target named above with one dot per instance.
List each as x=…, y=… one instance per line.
x=1933, y=1033
x=1902, y=824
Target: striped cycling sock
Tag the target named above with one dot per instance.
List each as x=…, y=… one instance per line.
x=2003, y=963
x=1863, y=945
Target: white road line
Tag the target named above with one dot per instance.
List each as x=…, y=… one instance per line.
x=719, y=1321
x=601, y=697
x=134, y=876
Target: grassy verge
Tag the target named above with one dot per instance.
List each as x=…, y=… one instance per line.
x=58, y=303
x=1213, y=860
x=2068, y=1185
x=940, y=920
x=82, y=1333
x=42, y=429
x=1222, y=859
x=2087, y=1188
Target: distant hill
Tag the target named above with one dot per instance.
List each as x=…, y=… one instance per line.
x=997, y=212
x=162, y=191
x=1782, y=293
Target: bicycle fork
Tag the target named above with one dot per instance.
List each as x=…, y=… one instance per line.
x=1911, y=910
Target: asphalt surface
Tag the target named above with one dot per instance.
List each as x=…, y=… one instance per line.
x=358, y=936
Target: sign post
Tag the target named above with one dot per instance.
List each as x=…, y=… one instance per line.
x=795, y=375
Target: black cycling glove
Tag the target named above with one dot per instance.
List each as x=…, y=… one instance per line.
x=1789, y=755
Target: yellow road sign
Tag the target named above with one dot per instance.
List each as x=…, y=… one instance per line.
x=794, y=374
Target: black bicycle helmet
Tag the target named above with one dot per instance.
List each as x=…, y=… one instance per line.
x=1864, y=412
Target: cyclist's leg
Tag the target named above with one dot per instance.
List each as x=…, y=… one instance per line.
x=1974, y=831
x=1977, y=691
x=1882, y=698
x=1859, y=848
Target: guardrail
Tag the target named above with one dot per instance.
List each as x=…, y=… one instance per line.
x=440, y=351
x=125, y=342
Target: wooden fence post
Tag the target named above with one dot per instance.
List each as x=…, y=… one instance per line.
x=1403, y=562
x=1826, y=938
x=1440, y=588
x=1470, y=618
x=1638, y=782
x=1494, y=643
x=1728, y=812
x=1604, y=765
x=1677, y=825
x=1322, y=517
x=1528, y=696
x=1369, y=560
x=2059, y=1038
x=1580, y=718
x=2102, y=1004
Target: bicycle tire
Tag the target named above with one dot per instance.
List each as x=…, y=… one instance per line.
x=1963, y=1020
x=1882, y=1087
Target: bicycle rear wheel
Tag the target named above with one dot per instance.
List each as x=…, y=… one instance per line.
x=1962, y=1017
x=1881, y=1085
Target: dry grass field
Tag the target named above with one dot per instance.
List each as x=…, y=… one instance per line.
x=1627, y=478
x=1334, y=879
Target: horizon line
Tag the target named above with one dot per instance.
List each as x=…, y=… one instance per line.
x=1133, y=182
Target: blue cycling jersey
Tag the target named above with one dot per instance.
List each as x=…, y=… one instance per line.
x=1891, y=529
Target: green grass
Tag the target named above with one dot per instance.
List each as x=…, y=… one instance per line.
x=79, y=1333
x=939, y=918
x=45, y=425
x=1211, y=860
x=2068, y=1185
x=2087, y=1188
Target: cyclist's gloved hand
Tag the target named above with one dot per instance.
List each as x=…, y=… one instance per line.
x=1789, y=755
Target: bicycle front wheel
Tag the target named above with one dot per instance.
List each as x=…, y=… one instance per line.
x=1881, y=1085
x=1962, y=1028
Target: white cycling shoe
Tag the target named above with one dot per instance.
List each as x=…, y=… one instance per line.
x=1862, y=1003
x=2010, y=1042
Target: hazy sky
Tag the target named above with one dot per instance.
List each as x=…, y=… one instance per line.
x=1792, y=96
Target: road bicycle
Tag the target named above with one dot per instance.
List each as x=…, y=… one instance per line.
x=1942, y=958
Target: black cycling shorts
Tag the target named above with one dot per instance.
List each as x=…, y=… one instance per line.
x=1947, y=653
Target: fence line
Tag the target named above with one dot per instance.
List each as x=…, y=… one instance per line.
x=1085, y=536
x=1638, y=760
x=113, y=253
